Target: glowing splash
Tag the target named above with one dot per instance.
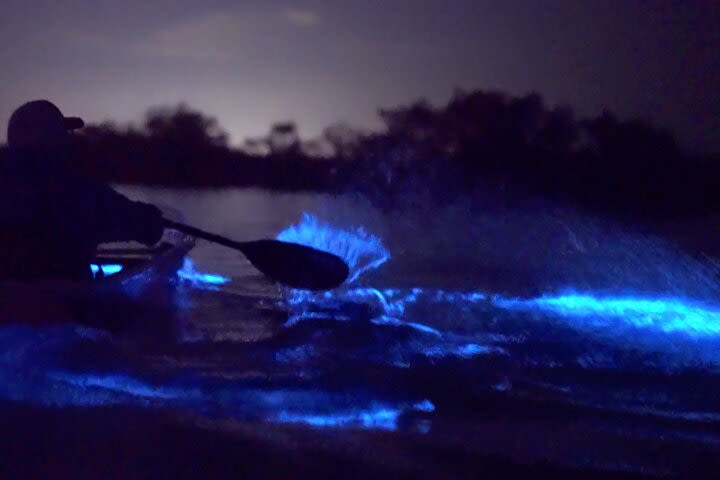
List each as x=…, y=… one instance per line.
x=107, y=270
x=189, y=274
x=360, y=250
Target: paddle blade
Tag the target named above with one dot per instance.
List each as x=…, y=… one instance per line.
x=296, y=265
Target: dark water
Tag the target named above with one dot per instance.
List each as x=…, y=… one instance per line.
x=539, y=336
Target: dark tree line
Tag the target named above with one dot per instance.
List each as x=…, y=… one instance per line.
x=489, y=140
x=182, y=147
x=478, y=141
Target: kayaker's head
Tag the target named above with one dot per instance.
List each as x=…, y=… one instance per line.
x=40, y=126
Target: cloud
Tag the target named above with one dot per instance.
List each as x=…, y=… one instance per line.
x=223, y=35
x=92, y=39
x=302, y=18
x=220, y=35
x=210, y=37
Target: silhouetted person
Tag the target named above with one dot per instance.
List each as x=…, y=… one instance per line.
x=51, y=219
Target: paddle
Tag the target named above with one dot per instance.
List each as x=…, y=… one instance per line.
x=286, y=263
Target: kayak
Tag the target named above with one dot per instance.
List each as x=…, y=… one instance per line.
x=134, y=270
x=126, y=280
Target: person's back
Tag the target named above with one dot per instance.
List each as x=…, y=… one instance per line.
x=52, y=220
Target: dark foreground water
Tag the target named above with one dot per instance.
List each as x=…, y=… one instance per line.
x=472, y=341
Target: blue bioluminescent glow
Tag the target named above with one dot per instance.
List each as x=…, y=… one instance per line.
x=189, y=274
x=473, y=350
x=109, y=269
x=360, y=250
x=119, y=384
x=310, y=407
x=582, y=311
x=462, y=351
x=293, y=319
x=388, y=304
x=668, y=315
x=374, y=417
x=660, y=314
x=380, y=418
x=632, y=323
x=425, y=406
x=296, y=354
x=405, y=327
x=386, y=320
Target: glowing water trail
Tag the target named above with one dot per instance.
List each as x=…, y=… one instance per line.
x=668, y=315
x=29, y=373
x=631, y=320
x=379, y=417
x=308, y=407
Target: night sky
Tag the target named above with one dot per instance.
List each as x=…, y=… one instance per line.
x=251, y=63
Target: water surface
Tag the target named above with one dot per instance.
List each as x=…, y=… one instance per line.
x=535, y=335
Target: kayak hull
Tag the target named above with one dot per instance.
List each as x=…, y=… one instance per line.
x=143, y=281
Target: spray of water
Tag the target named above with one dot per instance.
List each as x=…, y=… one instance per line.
x=360, y=250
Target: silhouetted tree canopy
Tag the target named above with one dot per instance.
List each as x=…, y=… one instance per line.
x=284, y=139
x=344, y=139
x=184, y=126
x=483, y=140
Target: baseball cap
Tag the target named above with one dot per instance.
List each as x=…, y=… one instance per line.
x=39, y=123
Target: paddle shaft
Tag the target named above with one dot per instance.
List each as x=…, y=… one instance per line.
x=196, y=232
x=290, y=264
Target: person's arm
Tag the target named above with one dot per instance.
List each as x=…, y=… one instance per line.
x=120, y=219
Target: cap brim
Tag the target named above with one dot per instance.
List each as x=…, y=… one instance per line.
x=73, y=123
